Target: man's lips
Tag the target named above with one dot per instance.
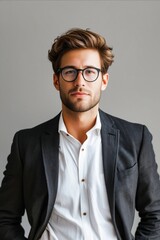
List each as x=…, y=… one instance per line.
x=79, y=94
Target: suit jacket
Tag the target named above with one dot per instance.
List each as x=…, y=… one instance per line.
x=130, y=170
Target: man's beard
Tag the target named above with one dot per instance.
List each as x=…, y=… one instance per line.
x=77, y=106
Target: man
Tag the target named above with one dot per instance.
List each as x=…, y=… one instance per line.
x=81, y=175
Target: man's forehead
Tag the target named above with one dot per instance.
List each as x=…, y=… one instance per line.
x=86, y=57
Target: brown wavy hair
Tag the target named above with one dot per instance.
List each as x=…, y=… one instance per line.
x=77, y=38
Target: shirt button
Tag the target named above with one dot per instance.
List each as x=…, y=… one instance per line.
x=83, y=180
x=82, y=149
x=84, y=214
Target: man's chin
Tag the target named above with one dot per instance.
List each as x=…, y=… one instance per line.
x=80, y=109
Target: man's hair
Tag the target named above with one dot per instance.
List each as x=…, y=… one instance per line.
x=77, y=38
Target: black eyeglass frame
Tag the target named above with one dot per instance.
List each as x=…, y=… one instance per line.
x=77, y=71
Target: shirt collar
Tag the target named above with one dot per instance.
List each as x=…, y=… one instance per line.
x=62, y=127
x=96, y=127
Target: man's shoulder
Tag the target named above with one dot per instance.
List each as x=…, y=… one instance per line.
x=126, y=128
x=118, y=121
x=44, y=127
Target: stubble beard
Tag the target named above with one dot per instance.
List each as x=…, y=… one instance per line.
x=79, y=106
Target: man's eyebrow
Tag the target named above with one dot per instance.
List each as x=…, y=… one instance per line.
x=72, y=66
x=69, y=66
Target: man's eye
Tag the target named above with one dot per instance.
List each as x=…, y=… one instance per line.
x=90, y=71
x=69, y=72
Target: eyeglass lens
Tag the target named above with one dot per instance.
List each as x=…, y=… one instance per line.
x=89, y=74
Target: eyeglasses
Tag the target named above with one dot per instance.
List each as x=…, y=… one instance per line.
x=69, y=74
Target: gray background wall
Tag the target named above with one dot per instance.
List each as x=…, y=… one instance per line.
x=27, y=29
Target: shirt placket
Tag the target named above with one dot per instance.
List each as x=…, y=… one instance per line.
x=84, y=206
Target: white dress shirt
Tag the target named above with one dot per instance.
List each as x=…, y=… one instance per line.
x=81, y=210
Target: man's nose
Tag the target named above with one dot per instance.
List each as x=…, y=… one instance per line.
x=80, y=79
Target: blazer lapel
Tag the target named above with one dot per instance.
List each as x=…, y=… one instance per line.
x=50, y=149
x=50, y=153
x=110, y=144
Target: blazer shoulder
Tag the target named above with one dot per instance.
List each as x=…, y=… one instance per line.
x=120, y=123
x=38, y=130
x=127, y=128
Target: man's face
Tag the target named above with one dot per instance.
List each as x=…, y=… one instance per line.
x=80, y=95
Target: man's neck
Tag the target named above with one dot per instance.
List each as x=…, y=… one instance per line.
x=79, y=123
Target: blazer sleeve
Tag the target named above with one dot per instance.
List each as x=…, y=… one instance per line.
x=11, y=197
x=148, y=192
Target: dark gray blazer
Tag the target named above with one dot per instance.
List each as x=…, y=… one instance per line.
x=130, y=170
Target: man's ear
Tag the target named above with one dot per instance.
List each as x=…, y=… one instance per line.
x=56, y=81
x=105, y=79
